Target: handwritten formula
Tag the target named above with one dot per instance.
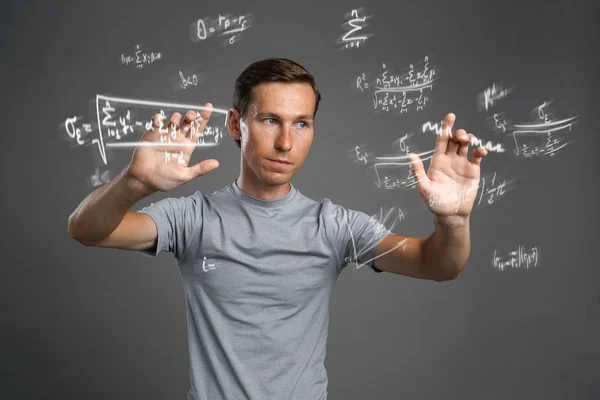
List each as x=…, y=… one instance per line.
x=499, y=122
x=541, y=138
x=492, y=189
x=187, y=80
x=383, y=163
x=167, y=135
x=140, y=58
x=475, y=141
x=228, y=26
x=488, y=99
x=119, y=118
x=491, y=95
x=205, y=266
x=401, y=93
x=518, y=258
x=355, y=37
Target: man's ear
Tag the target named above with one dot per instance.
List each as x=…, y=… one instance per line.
x=233, y=123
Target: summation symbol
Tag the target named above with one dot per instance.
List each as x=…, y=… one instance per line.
x=350, y=39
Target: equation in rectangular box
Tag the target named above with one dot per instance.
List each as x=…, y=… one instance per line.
x=118, y=118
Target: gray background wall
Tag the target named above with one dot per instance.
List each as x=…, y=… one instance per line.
x=95, y=323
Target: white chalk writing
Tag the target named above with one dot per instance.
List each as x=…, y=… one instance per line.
x=224, y=25
x=139, y=58
x=489, y=145
x=517, y=259
x=119, y=117
x=490, y=96
x=188, y=80
x=404, y=92
x=549, y=144
x=351, y=39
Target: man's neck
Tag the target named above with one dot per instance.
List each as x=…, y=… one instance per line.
x=262, y=191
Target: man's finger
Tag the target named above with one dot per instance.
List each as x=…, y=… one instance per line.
x=441, y=143
x=158, y=121
x=465, y=140
x=190, y=116
x=205, y=114
x=454, y=141
x=174, y=122
x=478, y=155
x=197, y=126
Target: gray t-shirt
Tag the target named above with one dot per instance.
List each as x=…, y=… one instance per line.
x=257, y=277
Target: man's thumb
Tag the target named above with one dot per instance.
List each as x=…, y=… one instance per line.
x=204, y=167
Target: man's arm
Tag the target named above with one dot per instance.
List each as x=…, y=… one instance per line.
x=103, y=218
x=440, y=257
x=446, y=189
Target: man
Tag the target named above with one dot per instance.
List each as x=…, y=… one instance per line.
x=258, y=259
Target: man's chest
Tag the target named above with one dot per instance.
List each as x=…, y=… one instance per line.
x=263, y=266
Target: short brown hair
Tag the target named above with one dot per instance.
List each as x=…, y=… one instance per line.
x=269, y=70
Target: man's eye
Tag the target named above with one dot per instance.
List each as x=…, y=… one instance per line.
x=270, y=119
x=303, y=126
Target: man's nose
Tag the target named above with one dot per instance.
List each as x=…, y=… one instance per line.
x=284, y=139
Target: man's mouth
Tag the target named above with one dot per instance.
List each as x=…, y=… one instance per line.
x=280, y=162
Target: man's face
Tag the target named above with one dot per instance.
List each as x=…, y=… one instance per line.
x=278, y=125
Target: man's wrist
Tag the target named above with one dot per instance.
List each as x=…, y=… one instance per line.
x=134, y=188
x=451, y=222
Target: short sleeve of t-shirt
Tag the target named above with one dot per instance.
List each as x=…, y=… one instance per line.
x=355, y=234
x=176, y=220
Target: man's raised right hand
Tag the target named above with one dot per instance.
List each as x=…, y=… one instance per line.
x=160, y=162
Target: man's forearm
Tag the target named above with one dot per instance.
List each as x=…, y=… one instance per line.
x=99, y=214
x=446, y=251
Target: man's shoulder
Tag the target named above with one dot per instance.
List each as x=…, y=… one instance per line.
x=329, y=211
x=323, y=205
x=193, y=199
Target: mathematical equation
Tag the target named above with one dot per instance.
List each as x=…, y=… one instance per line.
x=139, y=58
x=488, y=99
x=492, y=190
x=116, y=120
x=404, y=92
x=488, y=189
x=363, y=156
x=168, y=134
x=517, y=259
x=535, y=139
x=352, y=39
x=393, y=162
x=475, y=141
x=187, y=80
x=206, y=265
x=491, y=95
x=548, y=142
x=390, y=183
x=224, y=25
x=499, y=122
